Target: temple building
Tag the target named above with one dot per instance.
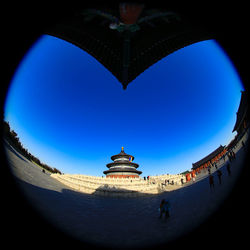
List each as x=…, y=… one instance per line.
x=122, y=166
x=209, y=159
x=242, y=120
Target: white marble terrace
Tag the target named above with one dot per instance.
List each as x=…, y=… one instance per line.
x=118, y=186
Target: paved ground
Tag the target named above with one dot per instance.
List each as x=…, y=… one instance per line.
x=116, y=222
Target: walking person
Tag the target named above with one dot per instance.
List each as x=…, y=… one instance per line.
x=211, y=182
x=161, y=209
x=219, y=174
x=164, y=208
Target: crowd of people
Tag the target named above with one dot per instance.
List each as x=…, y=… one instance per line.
x=164, y=208
x=219, y=175
x=231, y=157
x=212, y=175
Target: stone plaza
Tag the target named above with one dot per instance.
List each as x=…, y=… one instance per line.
x=122, y=221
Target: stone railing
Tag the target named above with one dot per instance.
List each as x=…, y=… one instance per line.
x=112, y=186
x=169, y=179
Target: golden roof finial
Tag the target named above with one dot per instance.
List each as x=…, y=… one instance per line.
x=122, y=148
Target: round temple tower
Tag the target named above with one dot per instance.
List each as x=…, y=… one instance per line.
x=122, y=166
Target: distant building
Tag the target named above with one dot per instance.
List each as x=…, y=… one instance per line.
x=209, y=159
x=122, y=167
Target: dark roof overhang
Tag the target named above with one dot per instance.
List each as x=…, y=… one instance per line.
x=122, y=170
x=124, y=163
x=242, y=111
x=129, y=49
x=121, y=155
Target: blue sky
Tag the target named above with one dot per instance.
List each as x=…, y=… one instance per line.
x=73, y=114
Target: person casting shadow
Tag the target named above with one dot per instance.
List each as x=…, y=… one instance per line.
x=164, y=208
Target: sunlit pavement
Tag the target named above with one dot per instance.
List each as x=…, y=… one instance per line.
x=125, y=222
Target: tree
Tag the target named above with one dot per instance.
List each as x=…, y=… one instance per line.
x=12, y=137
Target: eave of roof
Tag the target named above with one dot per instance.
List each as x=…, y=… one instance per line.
x=242, y=111
x=122, y=163
x=122, y=170
x=208, y=157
